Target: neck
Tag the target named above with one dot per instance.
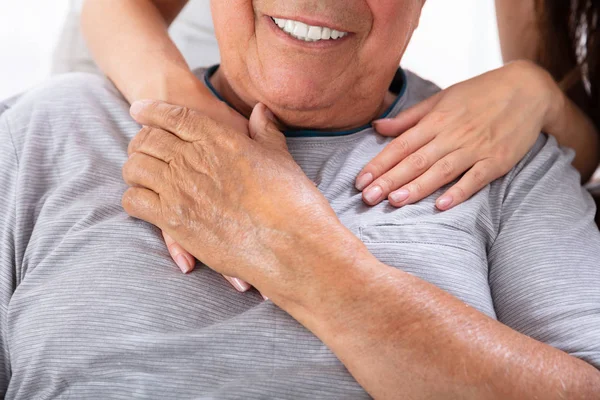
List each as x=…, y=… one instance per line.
x=324, y=119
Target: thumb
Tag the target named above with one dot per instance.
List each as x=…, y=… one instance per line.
x=406, y=119
x=265, y=129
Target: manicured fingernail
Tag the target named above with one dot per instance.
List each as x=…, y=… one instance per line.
x=400, y=195
x=240, y=285
x=445, y=202
x=183, y=263
x=138, y=106
x=383, y=120
x=364, y=180
x=191, y=261
x=373, y=194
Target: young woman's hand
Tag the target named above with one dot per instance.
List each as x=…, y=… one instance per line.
x=480, y=128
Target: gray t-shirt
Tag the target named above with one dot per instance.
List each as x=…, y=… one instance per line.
x=92, y=306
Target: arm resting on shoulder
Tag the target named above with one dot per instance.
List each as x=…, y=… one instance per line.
x=130, y=43
x=521, y=40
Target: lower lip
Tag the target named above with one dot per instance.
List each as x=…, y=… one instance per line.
x=321, y=44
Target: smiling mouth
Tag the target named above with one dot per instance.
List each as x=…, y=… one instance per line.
x=308, y=33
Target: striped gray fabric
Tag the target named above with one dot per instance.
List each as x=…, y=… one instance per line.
x=93, y=307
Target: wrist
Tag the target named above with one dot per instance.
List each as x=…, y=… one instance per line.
x=174, y=85
x=334, y=271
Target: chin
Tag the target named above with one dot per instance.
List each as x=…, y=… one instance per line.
x=300, y=91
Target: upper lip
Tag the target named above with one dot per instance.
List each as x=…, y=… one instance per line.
x=314, y=21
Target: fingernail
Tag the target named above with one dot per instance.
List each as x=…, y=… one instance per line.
x=445, y=202
x=240, y=285
x=373, y=194
x=183, y=263
x=138, y=106
x=191, y=261
x=364, y=180
x=264, y=297
x=269, y=114
x=383, y=120
x=400, y=195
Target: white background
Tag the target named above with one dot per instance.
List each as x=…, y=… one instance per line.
x=456, y=39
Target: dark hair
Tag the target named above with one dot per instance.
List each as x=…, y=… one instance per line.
x=570, y=49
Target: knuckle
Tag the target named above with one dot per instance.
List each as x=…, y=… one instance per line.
x=177, y=115
x=416, y=189
x=128, y=170
x=479, y=177
x=439, y=118
x=127, y=201
x=376, y=167
x=459, y=193
x=400, y=147
x=447, y=169
x=418, y=161
x=232, y=144
x=386, y=183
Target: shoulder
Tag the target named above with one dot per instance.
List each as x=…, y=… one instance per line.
x=63, y=105
x=73, y=89
x=544, y=182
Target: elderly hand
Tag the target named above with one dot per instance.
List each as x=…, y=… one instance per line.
x=240, y=204
x=190, y=92
x=480, y=128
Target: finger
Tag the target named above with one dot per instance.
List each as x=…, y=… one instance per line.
x=441, y=173
x=265, y=129
x=156, y=143
x=142, y=204
x=395, y=152
x=408, y=169
x=146, y=171
x=238, y=284
x=406, y=119
x=477, y=178
x=185, y=123
x=184, y=260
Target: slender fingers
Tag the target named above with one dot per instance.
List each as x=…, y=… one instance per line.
x=184, y=260
x=395, y=152
x=156, y=143
x=238, y=284
x=142, y=170
x=408, y=169
x=479, y=176
x=406, y=119
x=444, y=171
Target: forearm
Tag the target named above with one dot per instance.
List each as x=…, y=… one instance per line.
x=398, y=334
x=130, y=43
x=573, y=128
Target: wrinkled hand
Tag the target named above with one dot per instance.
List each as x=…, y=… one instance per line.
x=240, y=204
x=197, y=96
x=480, y=128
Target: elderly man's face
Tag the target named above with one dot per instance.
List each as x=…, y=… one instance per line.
x=296, y=78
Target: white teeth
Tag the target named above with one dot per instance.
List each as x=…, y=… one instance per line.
x=301, y=30
x=314, y=33
x=280, y=22
x=308, y=33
